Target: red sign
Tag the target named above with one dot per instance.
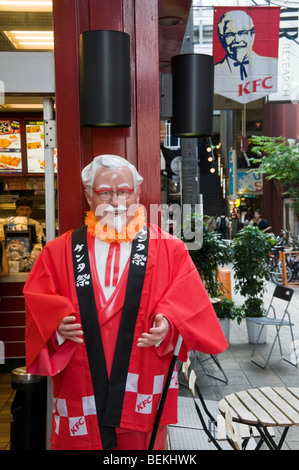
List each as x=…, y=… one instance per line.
x=245, y=48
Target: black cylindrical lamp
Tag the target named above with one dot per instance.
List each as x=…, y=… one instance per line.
x=105, y=82
x=192, y=95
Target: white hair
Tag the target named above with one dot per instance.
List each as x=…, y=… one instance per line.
x=110, y=162
x=235, y=16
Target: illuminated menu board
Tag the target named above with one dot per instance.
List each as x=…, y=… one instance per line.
x=10, y=146
x=35, y=147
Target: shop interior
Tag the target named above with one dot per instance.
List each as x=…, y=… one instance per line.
x=24, y=29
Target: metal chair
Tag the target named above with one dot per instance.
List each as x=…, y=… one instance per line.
x=221, y=432
x=216, y=361
x=284, y=294
x=208, y=421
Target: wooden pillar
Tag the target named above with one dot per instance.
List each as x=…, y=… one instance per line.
x=77, y=146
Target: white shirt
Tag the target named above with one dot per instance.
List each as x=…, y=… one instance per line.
x=101, y=254
x=101, y=250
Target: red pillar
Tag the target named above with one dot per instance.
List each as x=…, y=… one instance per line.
x=77, y=146
x=279, y=119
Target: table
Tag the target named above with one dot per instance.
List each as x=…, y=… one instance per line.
x=264, y=408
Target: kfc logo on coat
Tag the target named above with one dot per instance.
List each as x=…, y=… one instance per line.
x=77, y=426
x=144, y=403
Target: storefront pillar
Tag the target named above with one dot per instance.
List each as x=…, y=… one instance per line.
x=77, y=146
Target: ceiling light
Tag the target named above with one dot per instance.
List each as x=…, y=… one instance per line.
x=24, y=5
x=28, y=32
x=36, y=43
x=23, y=106
x=31, y=39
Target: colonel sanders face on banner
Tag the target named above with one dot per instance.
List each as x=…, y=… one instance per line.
x=114, y=197
x=236, y=34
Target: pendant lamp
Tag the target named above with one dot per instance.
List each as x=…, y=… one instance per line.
x=193, y=95
x=105, y=95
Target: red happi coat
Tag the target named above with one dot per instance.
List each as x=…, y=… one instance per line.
x=172, y=286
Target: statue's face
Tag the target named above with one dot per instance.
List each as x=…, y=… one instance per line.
x=114, y=198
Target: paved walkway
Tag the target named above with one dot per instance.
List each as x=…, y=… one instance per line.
x=241, y=374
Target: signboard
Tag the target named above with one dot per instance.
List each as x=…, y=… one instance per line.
x=10, y=146
x=35, y=147
x=288, y=62
x=250, y=182
x=245, y=48
x=232, y=173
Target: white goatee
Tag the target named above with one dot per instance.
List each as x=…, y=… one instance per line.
x=118, y=223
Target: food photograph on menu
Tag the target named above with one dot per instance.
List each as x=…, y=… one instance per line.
x=10, y=146
x=35, y=147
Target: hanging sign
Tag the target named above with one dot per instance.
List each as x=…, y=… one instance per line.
x=245, y=49
x=288, y=63
x=250, y=182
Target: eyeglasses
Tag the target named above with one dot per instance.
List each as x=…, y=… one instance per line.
x=243, y=32
x=107, y=194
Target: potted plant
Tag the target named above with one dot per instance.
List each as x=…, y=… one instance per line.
x=227, y=310
x=251, y=248
x=213, y=253
x=254, y=307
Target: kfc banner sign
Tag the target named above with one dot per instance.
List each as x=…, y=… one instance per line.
x=245, y=48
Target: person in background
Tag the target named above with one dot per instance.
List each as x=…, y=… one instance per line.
x=234, y=222
x=222, y=225
x=24, y=209
x=212, y=223
x=248, y=219
x=261, y=223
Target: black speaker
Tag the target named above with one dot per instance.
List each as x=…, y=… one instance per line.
x=105, y=84
x=192, y=95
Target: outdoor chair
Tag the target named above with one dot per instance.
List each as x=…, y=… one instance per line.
x=220, y=429
x=272, y=319
x=222, y=378
x=207, y=420
x=202, y=358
